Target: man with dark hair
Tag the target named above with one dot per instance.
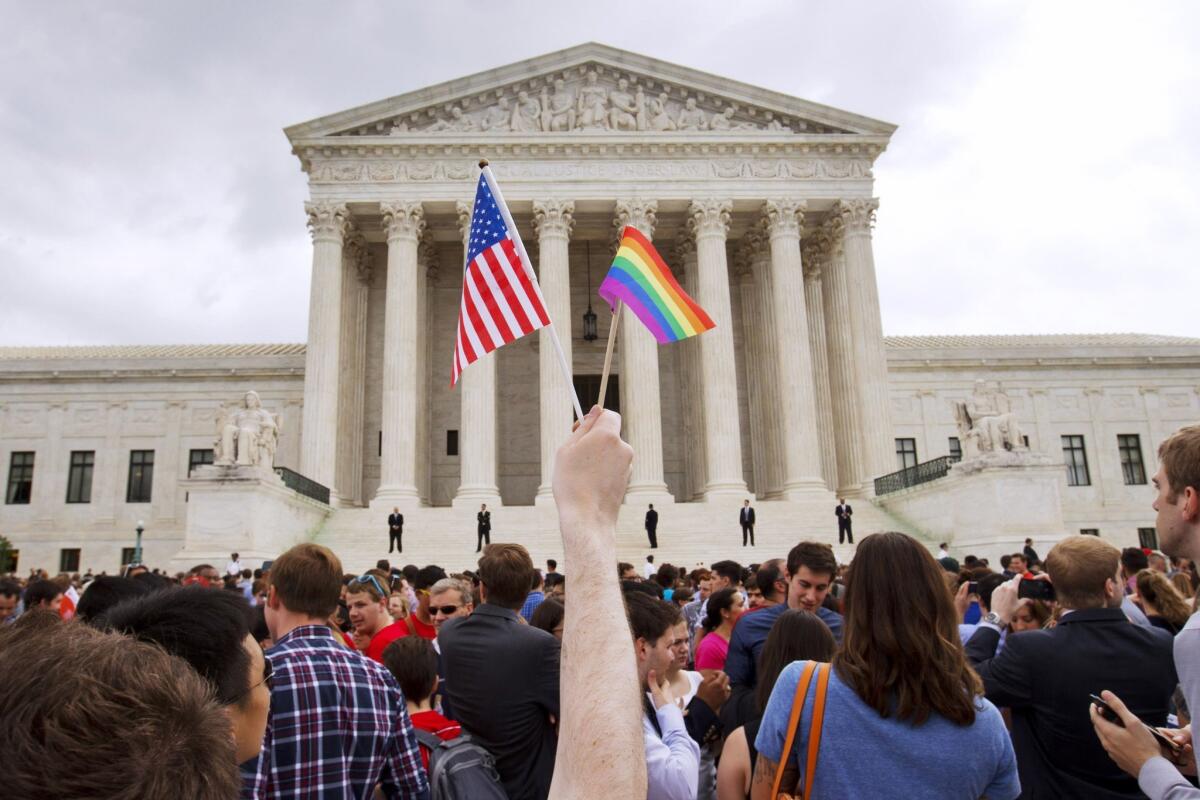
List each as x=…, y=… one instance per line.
x=844, y=514
x=746, y=520
x=810, y=569
x=1045, y=676
x=210, y=631
x=483, y=527
x=1031, y=556
x=367, y=607
x=1005, y=561
x=10, y=598
x=535, y=597
x=552, y=573
x=43, y=594
x=652, y=526
x=105, y=592
x=672, y=757
x=414, y=664
x=1133, y=561
x=421, y=620
x=396, y=531
x=338, y=721
x=771, y=581
x=626, y=572
x=125, y=720
x=502, y=675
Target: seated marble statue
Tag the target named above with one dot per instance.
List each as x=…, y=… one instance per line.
x=248, y=436
x=986, y=422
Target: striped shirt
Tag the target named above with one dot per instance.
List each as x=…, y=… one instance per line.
x=338, y=726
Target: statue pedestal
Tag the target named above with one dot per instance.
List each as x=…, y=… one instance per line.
x=988, y=505
x=243, y=510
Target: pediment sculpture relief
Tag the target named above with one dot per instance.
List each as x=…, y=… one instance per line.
x=591, y=98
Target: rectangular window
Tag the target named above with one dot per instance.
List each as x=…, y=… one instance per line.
x=1132, y=468
x=906, y=453
x=79, y=479
x=1089, y=531
x=127, y=554
x=1148, y=538
x=20, y=479
x=14, y=558
x=955, y=448
x=141, y=476
x=199, y=458
x=451, y=443
x=68, y=559
x=1076, y=460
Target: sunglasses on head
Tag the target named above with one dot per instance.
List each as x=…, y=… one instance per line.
x=371, y=579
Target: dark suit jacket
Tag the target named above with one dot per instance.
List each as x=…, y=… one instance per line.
x=838, y=513
x=1030, y=554
x=746, y=516
x=1045, y=677
x=395, y=520
x=484, y=518
x=652, y=520
x=502, y=679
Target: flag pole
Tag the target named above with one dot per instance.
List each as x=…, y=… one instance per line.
x=608, y=351
x=512, y=226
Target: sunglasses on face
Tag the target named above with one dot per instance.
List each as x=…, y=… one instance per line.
x=444, y=610
x=371, y=579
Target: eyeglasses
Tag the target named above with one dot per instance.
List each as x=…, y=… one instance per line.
x=444, y=610
x=267, y=675
x=371, y=579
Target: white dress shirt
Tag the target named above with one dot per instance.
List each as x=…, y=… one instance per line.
x=672, y=761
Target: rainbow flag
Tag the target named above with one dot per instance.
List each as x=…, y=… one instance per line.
x=641, y=280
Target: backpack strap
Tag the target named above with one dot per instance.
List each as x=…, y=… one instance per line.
x=793, y=723
x=426, y=738
x=814, y=730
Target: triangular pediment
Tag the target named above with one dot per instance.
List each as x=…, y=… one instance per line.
x=589, y=89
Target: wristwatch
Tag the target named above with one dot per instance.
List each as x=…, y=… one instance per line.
x=992, y=618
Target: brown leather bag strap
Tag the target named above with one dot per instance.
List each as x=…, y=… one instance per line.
x=793, y=723
x=814, y=730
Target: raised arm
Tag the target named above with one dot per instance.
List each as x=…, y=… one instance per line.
x=591, y=471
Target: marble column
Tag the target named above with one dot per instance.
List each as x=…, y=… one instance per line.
x=553, y=220
x=684, y=259
x=836, y=298
x=795, y=398
x=329, y=223
x=428, y=270
x=752, y=362
x=403, y=222
x=709, y=219
x=768, y=364
x=877, y=434
x=477, y=428
x=641, y=402
x=815, y=255
x=356, y=278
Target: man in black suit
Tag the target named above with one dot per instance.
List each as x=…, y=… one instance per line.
x=395, y=530
x=483, y=527
x=502, y=675
x=746, y=518
x=652, y=526
x=844, y=512
x=1045, y=676
x=1031, y=556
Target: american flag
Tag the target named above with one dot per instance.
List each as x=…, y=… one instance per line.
x=501, y=300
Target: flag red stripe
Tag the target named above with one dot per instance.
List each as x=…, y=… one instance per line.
x=506, y=289
x=477, y=324
x=535, y=297
x=489, y=300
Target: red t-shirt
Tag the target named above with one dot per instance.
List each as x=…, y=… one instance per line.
x=424, y=631
x=382, y=639
x=435, y=723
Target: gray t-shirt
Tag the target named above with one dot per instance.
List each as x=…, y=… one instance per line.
x=1159, y=778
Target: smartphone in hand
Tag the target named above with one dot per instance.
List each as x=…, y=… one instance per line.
x=1035, y=590
x=1105, y=710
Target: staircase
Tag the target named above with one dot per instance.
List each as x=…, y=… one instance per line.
x=688, y=533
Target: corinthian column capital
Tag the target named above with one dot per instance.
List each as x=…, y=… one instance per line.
x=463, y=209
x=815, y=249
x=641, y=214
x=328, y=221
x=709, y=217
x=403, y=221
x=783, y=217
x=553, y=218
x=858, y=215
x=358, y=254
x=427, y=256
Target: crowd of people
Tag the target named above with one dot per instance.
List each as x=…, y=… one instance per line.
x=902, y=673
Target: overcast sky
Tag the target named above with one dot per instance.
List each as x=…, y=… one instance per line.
x=1043, y=179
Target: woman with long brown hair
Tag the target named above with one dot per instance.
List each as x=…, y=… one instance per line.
x=1161, y=601
x=901, y=702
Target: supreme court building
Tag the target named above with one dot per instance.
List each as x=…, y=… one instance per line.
x=762, y=204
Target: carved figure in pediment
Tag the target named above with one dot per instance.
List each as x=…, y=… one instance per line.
x=722, y=121
x=593, y=103
x=691, y=118
x=623, y=114
x=248, y=436
x=527, y=114
x=558, y=109
x=398, y=127
x=773, y=124
x=660, y=120
x=643, y=119
x=458, y=121
x=498, y=117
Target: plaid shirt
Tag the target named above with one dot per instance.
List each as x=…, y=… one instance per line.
x=338, y=726
x=532, y=601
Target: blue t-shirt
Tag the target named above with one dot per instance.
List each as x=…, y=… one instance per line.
x=862, y=753
x=750, y=634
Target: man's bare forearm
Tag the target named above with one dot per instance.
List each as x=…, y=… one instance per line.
x=600, y=740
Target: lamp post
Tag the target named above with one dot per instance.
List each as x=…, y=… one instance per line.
x=137, y=550
x=589, y=316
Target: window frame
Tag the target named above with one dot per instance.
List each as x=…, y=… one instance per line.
x=144, y=480
x=1074, y=468
x=1133, y=466
x=20, y=476
x=81, y=476
x=203, y=461
x=1148, y=538
x=955, y=445
x=902, y=452
x=74, y=553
